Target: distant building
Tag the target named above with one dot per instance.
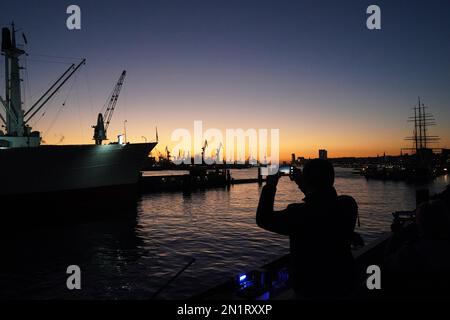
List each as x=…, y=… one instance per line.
x=323, y=154
x=293, y=158
x=301, y=161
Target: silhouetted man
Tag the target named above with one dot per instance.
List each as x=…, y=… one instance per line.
x=320, y=231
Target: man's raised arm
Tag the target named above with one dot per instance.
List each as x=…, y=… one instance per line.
x=266, y=217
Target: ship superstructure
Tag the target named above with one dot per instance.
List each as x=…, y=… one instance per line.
x=31, y=168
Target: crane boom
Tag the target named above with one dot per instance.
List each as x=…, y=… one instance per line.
x=113, y=99
x=52, y=90
x=104, y=117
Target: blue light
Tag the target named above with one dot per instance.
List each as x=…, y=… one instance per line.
x=264, y=296
x=242, y=278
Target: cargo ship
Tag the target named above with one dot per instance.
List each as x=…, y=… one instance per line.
x=53, y=172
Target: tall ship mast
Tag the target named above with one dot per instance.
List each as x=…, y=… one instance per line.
x=422, y=121
x=421, y=165
x=30, y=168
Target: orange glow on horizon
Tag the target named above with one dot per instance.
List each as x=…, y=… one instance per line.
x=303, y=134
x=303, y=149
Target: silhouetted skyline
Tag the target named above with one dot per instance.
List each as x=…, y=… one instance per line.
x=310, y=68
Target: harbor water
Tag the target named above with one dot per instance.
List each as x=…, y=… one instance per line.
x=131, y=257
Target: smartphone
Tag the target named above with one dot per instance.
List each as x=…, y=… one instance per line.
x=286, y=170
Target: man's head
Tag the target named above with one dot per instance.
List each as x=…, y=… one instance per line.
x=318, y=174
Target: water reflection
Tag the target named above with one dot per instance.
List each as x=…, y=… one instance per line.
x=37, y=259
x=131, y=257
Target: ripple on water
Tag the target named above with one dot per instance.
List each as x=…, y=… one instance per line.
x=125, y=258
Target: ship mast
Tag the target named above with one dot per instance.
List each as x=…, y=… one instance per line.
x=422, y=120
x=13, y=101
x=18, y=132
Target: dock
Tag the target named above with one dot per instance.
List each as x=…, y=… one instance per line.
x=271, y=281
x=198, y=178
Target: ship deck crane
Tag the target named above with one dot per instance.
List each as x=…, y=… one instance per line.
x=16, y=120
x=104, y=117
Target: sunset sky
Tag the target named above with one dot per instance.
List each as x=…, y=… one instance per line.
x=309, y=68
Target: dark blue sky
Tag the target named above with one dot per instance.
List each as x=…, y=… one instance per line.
x=310, y=68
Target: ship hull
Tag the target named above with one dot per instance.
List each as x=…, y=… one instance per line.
x=71, y=168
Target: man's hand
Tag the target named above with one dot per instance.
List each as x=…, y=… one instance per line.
x=297, y=176
x=272, y=180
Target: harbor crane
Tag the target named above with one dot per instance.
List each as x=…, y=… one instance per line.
x=218, y=153
x=160, y=155
x=107, y=111
x=168, y=153
x=205, y=145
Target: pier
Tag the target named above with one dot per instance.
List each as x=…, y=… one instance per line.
x=198, y=178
